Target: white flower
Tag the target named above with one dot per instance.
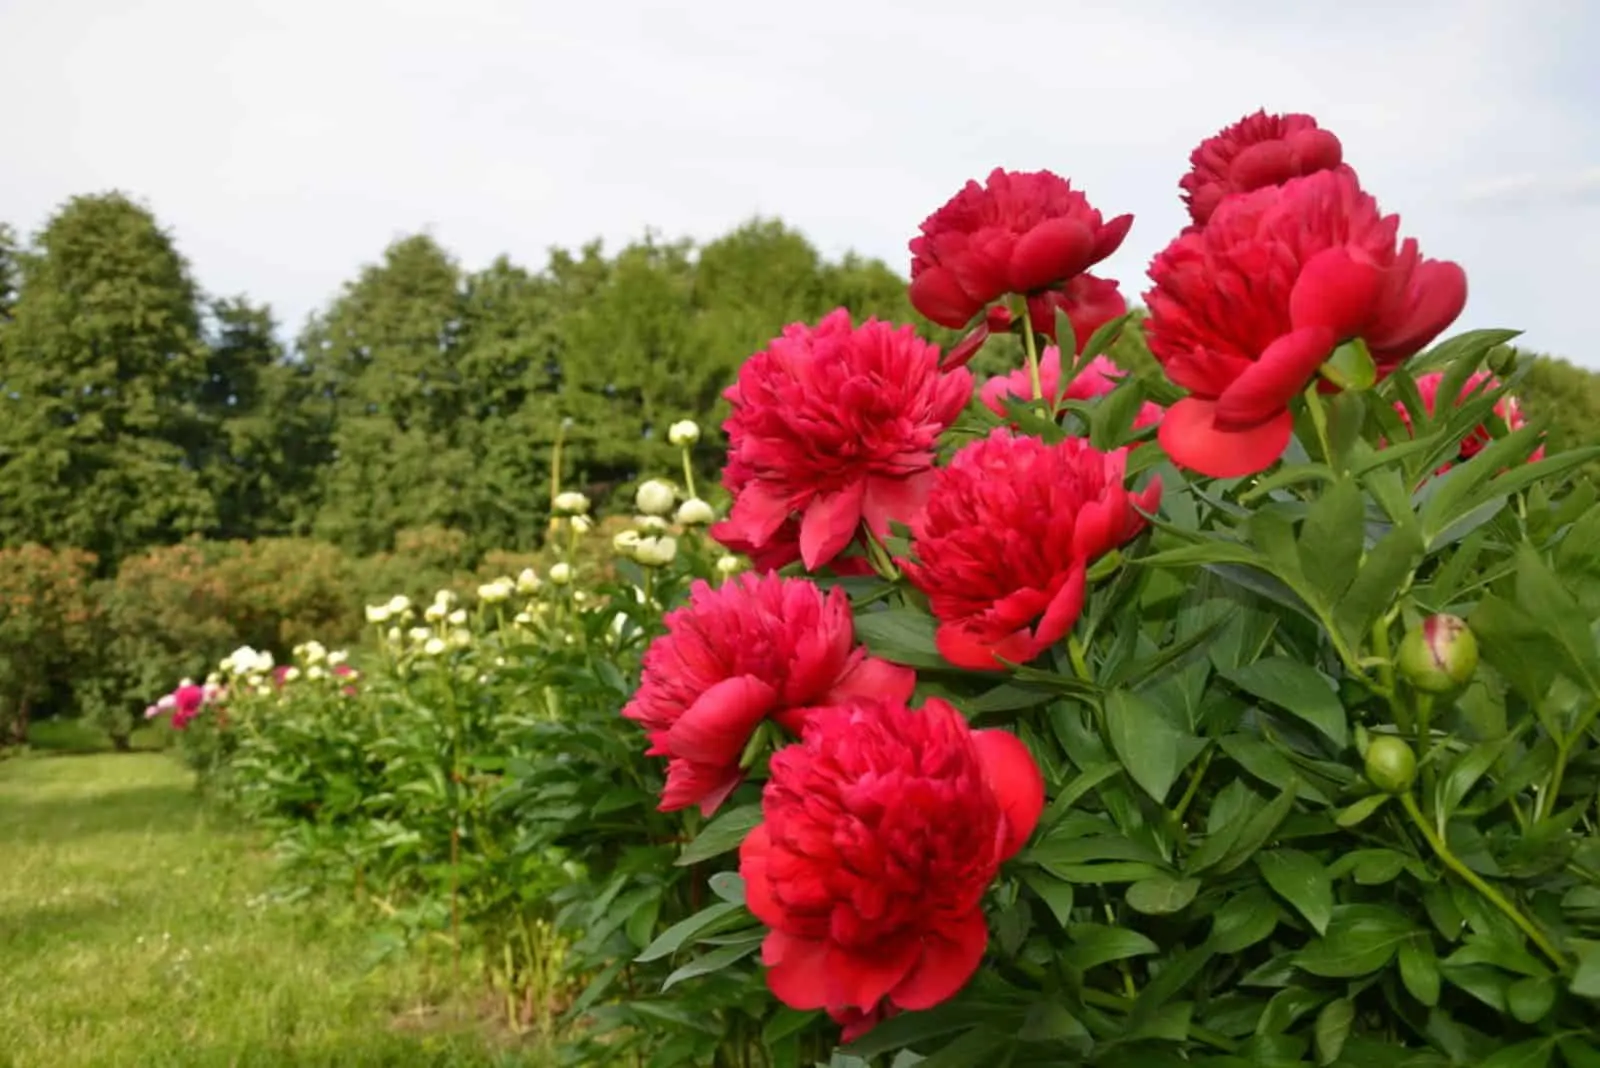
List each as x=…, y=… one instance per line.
x=581, y=523
x=695, y=513
x=625, y=542
x=619, y=625
x=262, y=689
x=656, y=550
x=399, y=604
x=446, y=598
x=730, y=565
x=185, y=681
x=337, y=657
x=378, y=613
x=655, y=497
x=435, y=612
x=561, y=573
x=650, y=524
x=458, y=617
x=499, y=590
x=528, y=581
x=420, y=634
x=213, y=679
x=579, y=597
x=316, y=671
x=393, y=635
x=291, y=674
x=571, y=503
x=313, y=652
x=433, y=646
x=683, y=432
x=522, y=619
x=460, y=638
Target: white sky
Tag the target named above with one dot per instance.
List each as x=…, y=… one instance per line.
x=286, y=142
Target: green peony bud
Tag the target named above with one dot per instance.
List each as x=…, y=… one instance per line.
x=1391, y=765
x=1439, y=656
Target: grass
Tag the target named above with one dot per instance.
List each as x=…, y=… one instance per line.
x=76, y=736
x=138, y=930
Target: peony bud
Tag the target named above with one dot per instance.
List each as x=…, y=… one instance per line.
x=337, y=657
x=1439, y=656
x=582, y=524
x=291, y=674
x=571, y=503
x=436, y=612
x=316, y=671
x=1391, y=766
x=458, y=617
x=495, y=592
x=626, y=542
x=433, y=646
x=683, y=433
x=561, y=573
x=528, y=581
x=695, y=513
x=460, y=639
x=655, y=497
x=399, y=604
x=656, y=551
x=729, y=564
x=650, y=524
x=445, y=597
x=393, y=635
x=377, y=613
x=419, y=634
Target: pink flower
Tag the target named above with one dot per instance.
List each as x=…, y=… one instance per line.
x=1004, y=547
x=1507, y=410
x=1259, y=150
x=1020, y=232
x=1097, y=379
x=758, y=647
x=832, y=427
x=1244, y=312
x=883, y=830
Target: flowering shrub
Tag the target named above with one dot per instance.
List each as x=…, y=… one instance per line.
x=48, y=620
x=1032, y=740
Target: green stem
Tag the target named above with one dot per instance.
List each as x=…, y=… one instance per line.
x=1552, y=791
x=1472, y=879
x=1319, y=420
x=688, y=473
x=1194, y=784
x=1031, y=344
x=1080, y=663
x=1425, y=739
x=882, y=562
x=1384, y=651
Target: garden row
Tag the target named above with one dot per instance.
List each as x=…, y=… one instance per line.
x=1240, y=715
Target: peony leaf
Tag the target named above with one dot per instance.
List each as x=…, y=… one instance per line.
x=1302, y=881
x=1153, y=749
x=722, y=834
x=1331, y=538
x=900, y=636
x=679, y=934
x=718, y=959
x=1333, y=1029
x=1162, y=895
x=1298, y=689
x=1095, y=944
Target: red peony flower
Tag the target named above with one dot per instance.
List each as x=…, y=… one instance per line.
x=186, y=700
x=883, y=829
x=1259, y=150
x=831, y=427
x=1021, y=232
x=1004, y=546
x=1097, y=379
x=758, y=647
x=1089, y=302
x=1244, y=312
x=1506, y=409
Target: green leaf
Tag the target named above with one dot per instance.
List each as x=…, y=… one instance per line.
x=728, y=885
x=1245, y=919
x=1419, y=970
x=1360, y=940
x=1382, y=573
x=1586, y=978
x=1095, y=944
x=1534, y=1053
x=1331, y=540
x=1333, y=1029
x=1056, y=893
x=715, y=961
x=1530, y=999
x=1465, y=772
x=1162, y=895
x=1299, y=690
x=1151, y=747
x=723, y=834
x=679, y=934
x=901, y=636
x=1302, y=881
x=785, y=1022
x=1356, y=814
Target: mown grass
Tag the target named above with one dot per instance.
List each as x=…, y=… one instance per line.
x=137, y=929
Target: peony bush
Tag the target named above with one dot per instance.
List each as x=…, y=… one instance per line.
x=1232, y=707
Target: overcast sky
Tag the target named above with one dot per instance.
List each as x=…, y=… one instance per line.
x=286, y=142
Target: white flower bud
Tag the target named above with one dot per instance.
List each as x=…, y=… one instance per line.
x=695, y=513
x=571, y=503
x=393, y=635
x=581, y=523
x=522, y=619
x=684, y=432
x=378, y=613
x=337, y=657
x=656, y=550
x=528, y=581
x=291, y=674
x=625, y=542
x=447, y=598
x=436, y=612
x=460, y=639
x=495, y=592
x=419, y=634
x=729, y=565
x=650, y=524
x=398, y=604
x=316, y=671
x=458, y=617
x=561, y=573
x=579, y=597
x=655, y=497
x=433, y=646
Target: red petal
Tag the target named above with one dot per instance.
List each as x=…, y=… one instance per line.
x=965, y=349
x=753, y=870
x=715, y=729
x=871, y=677
x=797, y=970
x=829, y=524
x=899, y=499
x=1051, y=252
x=1014, y=777
x=1264, y=390
x=964, y=647
x=936, y=294
x=948, y=960
x=1109, y=239
x=1063, y=610
x=1316, y=150
x=1439, y=291
x=861, y=980
x=1191, y=437
x=1335, y=291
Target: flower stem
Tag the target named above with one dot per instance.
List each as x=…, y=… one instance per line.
x=882, y=562
x=688, y=474
x=1319, y=420
x=1194, y=785
x=1031, y=344
x=1552, y=791
x=1384, y=651
x=1472, y=879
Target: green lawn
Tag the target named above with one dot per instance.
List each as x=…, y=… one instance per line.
x=137, y=928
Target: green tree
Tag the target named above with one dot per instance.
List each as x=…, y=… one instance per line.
x=97, y=379
x=9, y=271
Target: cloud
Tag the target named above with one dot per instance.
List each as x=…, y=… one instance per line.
x=1536, y=190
